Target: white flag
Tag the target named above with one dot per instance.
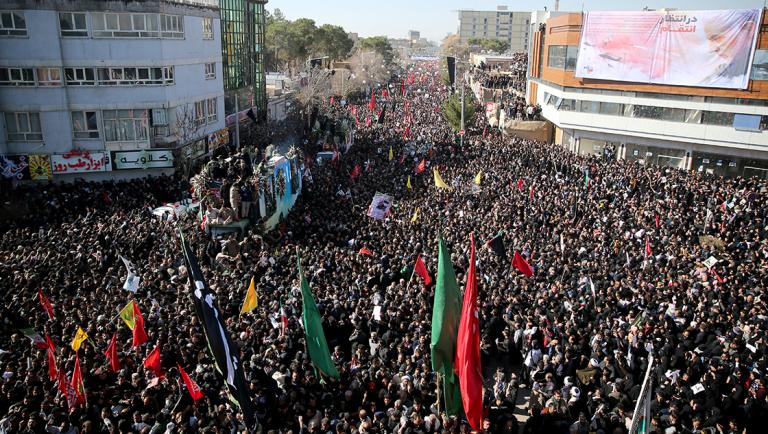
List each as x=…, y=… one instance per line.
x=133, y=279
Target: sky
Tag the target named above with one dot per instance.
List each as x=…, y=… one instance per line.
x=436, y=18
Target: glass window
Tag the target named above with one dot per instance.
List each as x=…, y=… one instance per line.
x=673, y=114
x=210, y=71
x=647, y=112
x=589, y=106
x=212, y=110
x=199, y=113
x=717, y=118
x=130, y=126
x=159, y=117
x=17, y=77
x=72, y=24
x=85, y=125
x=572, y=53
x=207, y=28
x=12, y=23
x=746, y=122
x=114, y=25
x=566, y=105
x=693, y=116
x=23, y=127
x=760, y=65
x=556, y=58
x=172, y=26
x=49, y=76
x=79, y=76
x=610, y=108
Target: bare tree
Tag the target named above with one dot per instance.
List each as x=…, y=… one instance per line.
x=368, y=69
x=317, y=89
x=186, y=128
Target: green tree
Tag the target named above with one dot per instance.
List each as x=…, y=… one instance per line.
x=493, y=45
x=452, y=46
x=380, y=45
x=452, y=110
x=331, y=41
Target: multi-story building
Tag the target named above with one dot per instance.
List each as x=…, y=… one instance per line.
x=501, y=24
x=414, y=36
x=716, y=130
x=108, y=89
x=242, y=43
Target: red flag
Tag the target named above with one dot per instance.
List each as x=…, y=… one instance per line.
x=402, y=88
x=372, y=102
x=192, y=388
x=365, y=251
x=114, y=359
x=139, y=335
x=410, y=78
x=530, y=195
x=717, y=276
x=62, y=382
x=153, y=363
x=421, y=270
x=421, y=166
x=331, y=100
x=647, y=247
x=355, y=172
x=722, y=206
x=407, y=133
x=77, y=382
x=52, y=369
x=657, y=220
x=485, y=130
x=283, y=320
x=521, y=264
x=45, y=303
x=384, y=93
x=520, y=184
x=467, y=364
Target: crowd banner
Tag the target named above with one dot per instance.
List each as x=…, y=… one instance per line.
x=26, y=167
x=218, y=138
x=144, y=159
x=80, y=162
x=682, y=48
x=380, y=206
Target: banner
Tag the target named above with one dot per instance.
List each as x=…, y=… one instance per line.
x=144, y=159
x=380, y=206
x=218, y=138
x=80, y=162
x=40, y=167
x=683, y=48
x=15, y=167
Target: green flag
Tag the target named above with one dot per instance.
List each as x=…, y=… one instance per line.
x=313, y=329
x=446, y=313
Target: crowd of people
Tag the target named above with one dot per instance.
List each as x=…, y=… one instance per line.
x=629, y=262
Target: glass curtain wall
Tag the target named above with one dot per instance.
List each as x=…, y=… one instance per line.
x=242, y=39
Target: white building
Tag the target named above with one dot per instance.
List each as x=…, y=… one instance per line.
x=501, y=24
x=108, y=89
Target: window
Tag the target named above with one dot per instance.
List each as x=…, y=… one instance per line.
x=79, y=76
x=135, y=76
x=673, y=114
x=17, y=77
x=159, y=117
x=571, y=54
x=73, y=24
x=568, y=105
x=693, y=116
x=199, y=113
x=23, y=127
x=747, y=122
x=210, y=71
x=589, y=106
x=12, y=23
x=556, y=58
x=760, y=65
x=172, y=26
x=610, y=108
x=207, y=28
x=84, y=125
x=49, y=76
x=112, y=25
x=717, y=118
x=212, y=110
x=647, y=112
x=125, y=126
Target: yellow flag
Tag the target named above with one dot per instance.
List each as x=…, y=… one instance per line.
x=415, y=216
x=391, y=154
x=251, y=299
x=477, y=177
x=409, y=183
x=439, y=181
x=80, y=336
x=127, y=315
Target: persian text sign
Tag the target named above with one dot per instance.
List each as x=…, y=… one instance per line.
x=80, y=162
x=683, y=48
x=145, y=159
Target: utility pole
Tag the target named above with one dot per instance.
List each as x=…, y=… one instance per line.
x=237, y=121
x=461, y=136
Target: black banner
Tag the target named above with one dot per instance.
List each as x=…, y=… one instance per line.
x=452, y=69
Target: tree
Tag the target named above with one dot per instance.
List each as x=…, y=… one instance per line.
x=452, y=46
x=380, y=45
x=452, y=110
x=331, y=41
x=491, y=45
x=367, y=69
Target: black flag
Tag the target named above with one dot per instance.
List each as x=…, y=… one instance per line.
x=383, y=111
x=497, y=245
x=225, y=353
x=251, y=115
x=451, y=69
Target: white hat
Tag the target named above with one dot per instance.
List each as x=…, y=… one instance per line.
x=594, y=363
x=568, y=381
x=575, y=392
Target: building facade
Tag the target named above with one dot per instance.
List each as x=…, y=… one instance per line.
x=109, y=89
x=712, y=130
x=501, y=24
x=414, y=36
x=242, y=46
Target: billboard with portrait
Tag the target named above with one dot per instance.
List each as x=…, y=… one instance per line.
x=683, y=48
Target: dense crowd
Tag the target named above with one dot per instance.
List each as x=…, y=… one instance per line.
x=622, y=270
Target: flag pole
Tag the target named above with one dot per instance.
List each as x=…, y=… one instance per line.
x=438, y=393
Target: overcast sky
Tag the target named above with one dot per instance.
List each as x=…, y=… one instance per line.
x=436, y=18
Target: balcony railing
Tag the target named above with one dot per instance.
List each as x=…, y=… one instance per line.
x=208, y=3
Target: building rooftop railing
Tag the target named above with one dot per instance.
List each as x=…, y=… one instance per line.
x=208, y=3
